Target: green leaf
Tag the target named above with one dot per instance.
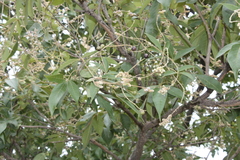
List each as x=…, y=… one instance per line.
x=40, y=156
x=129, y=104
x=168, y=73
x=159, y=101
x=86, y=135
x=105, y=64
x=126, y=121
x=3, y=126
x=210, y=82
x=153, y=23
x=85, y=73
x=175, y=92
x=230, y=6
x=238, y=123
x=67, y=63
x=154, y=41
x=226, y=48
x=184, y=52
x=199, y=39
x=57, y=2
x=182, y=68
x=73, y=89
x=58, y=78
x=92, y=91
x=168, y=14
x=106, y=105
x=12, y=82
x=233, y=59
x=166, y=4
x=14, y=49
x=107, y=121
x=87, y=116
x=98, y=124
x=90, y=24
x=107, y=135
x=189, y=75
x=58, y=92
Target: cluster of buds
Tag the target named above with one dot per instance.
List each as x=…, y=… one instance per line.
x=148, y=89
x=118, y=13
x=159, y=70
x=126, y=78
x=166, y=121
x=163, y=90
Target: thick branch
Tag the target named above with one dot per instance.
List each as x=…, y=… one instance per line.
x=230, y=103
x=137, y=153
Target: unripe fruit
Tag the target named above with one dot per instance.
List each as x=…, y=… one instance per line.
x=146, y=55
x=134, y=48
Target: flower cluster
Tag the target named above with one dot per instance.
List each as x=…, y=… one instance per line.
x=126, y=78
x=84, y=43
x=166, y=121
x=118, y=13
x=148, y=89
x=159, y=70
x=163, y=90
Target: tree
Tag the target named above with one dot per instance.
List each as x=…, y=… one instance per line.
x=119, y=79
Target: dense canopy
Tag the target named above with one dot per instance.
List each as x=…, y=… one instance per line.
x=119, y=79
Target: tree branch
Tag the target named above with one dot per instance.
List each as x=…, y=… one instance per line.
x=211, y=103
x=76, y=137
x=128, y=112
x=209, y=47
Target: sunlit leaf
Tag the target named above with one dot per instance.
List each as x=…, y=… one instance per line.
x=58, y=78
x=226, y=48
x=12, y=83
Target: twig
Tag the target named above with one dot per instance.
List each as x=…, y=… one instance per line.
x=209, y=47
x=127, y=111
x=42, y=115
x=235, y=154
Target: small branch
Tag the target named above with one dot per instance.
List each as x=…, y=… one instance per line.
x=187, y=41
x=104, y=149
x=42, y=115
x=128, y=112
x=235, y=154
x=207, y=59
x=5, y=155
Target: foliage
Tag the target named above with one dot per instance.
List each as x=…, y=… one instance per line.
x=119, y=79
